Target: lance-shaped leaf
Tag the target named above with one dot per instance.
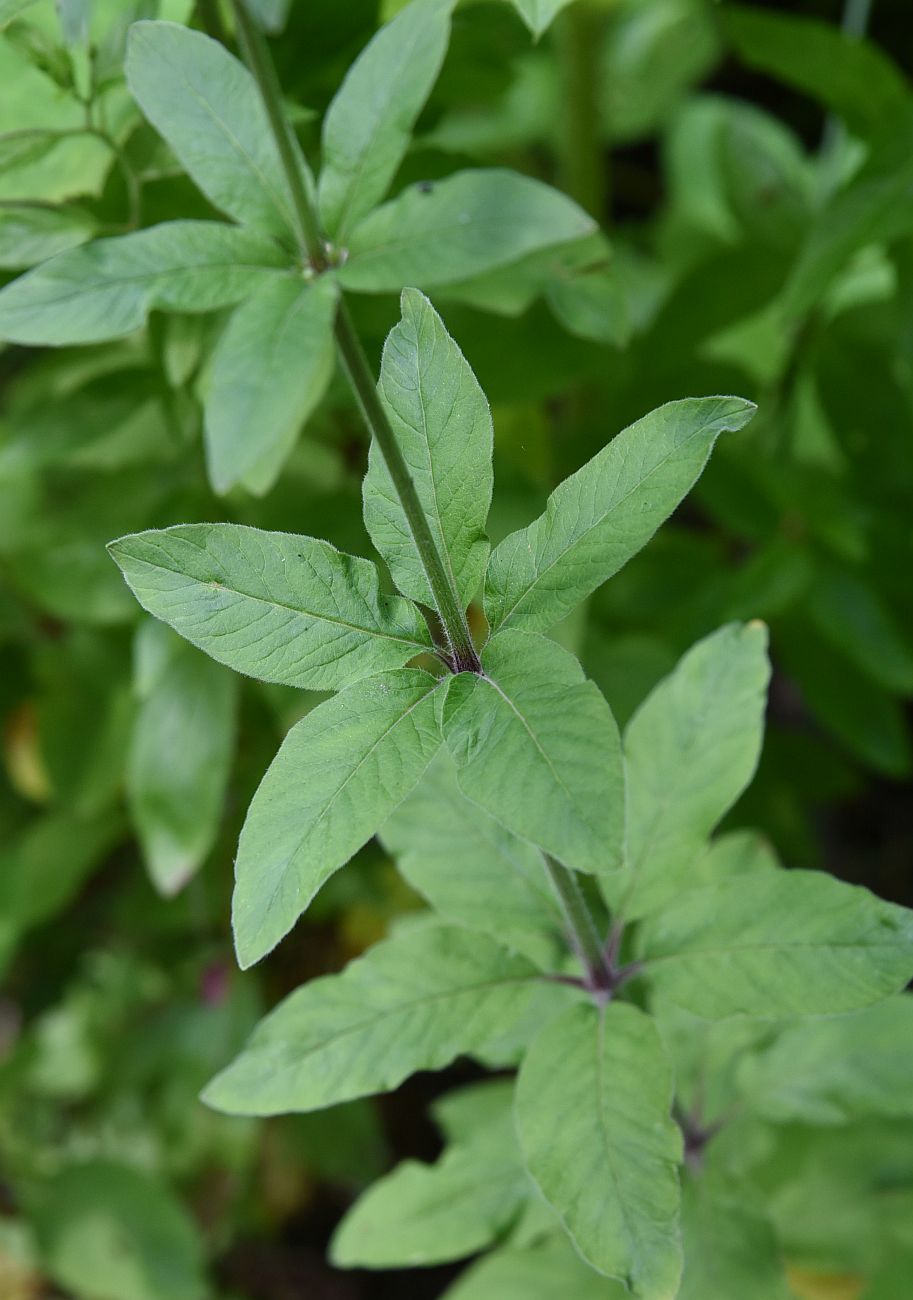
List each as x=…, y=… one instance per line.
x=368, y=125
x=180, y=756
x=778, y=944
x=730, y=1249
x=539, y=14
x=270, y=369
x=339, y=773
x=836, y=1070
x=105, y=289
x=424, y=1214
x=604, y=513
x=850, y=76
x=536, y=745
x=272, y=605
x=207, y=106
x=411, y=1003
x=593, y=1100
x=441, y=420
x=545, y=1271
x=690, y=750
x=441, y=232
x=471, y=870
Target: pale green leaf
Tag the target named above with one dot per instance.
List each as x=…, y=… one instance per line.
x=594, y=1095
x=273, y=605
x=368, y=125
x=604, y=513
x=10, y=9
x=850, y=76
x=270, y=14
x=105, y=290
x=536, y=745
x=31, y=235
x=550, y=1270
x=339, y=774
x=471, y=870
x=836, y=1070
x=180, y=756
x=785, y=943
x=424, y=1214
x=737, y=853
x=207, y=106
x=730, y=1249
x=875, y=207
x=411, y=1003
x=270, y=369
x=539, y=14
x=449, y=230
x=442, y=423
x=109, y=1231
x=690, y=750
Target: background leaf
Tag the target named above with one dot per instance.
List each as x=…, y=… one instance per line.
x=270, y=369
x=105, y=289
x=207, y=106
x=439, y=232
x=369, y=124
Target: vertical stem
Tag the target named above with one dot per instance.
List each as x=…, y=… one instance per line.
x=581, y=926
x=355, y=363
x=583, y=165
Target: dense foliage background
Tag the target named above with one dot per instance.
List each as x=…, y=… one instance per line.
x=754, y=179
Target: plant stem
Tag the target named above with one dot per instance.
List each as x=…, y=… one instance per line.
x=582, y=164
x=463, y=655
x=581, y=926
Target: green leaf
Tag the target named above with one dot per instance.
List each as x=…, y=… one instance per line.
x=108, y=1231
x=31, y=235
x=440, y=232
x=790, y=943
x=429, y=1214
x=536, y=745
x=837, y=1070
x=604, y=513
x=441, y=420
x=180, y=756
x=471, y=870
x=368, y=125
x=270, y=369
x=105, y=290
x=275, y=606
x=850, y=76
x=411, y=1003
x=875, y=207
x=593, y=1100
x=737, y=853
x=207, y=106
x=10, y=9
x=730, y=1249
x=270, y=14
x=539, y=14
x=340, y=772
x=851, y=616
x=549, y=1270
x=690, y=750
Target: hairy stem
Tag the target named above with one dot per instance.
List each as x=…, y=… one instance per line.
x=581, y=926
x=355, y=364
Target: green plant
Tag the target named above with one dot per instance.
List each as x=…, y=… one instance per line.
x=642, y=974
